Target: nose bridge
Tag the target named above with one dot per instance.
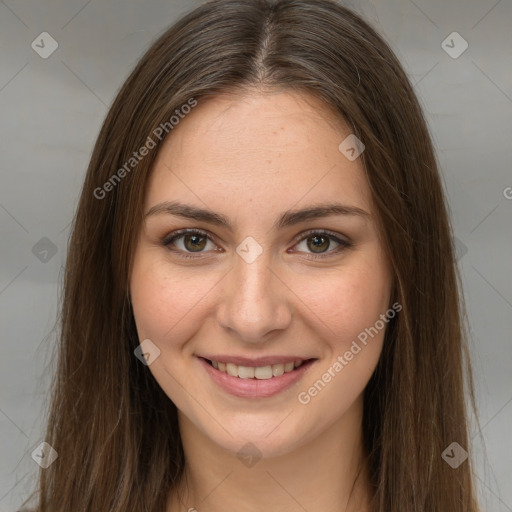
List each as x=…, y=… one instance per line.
x=253, y=280
x=254, y=303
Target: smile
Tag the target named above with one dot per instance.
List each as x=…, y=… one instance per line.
x=257, y=378
x=256, y=372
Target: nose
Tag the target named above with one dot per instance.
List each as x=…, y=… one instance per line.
x=255, y=302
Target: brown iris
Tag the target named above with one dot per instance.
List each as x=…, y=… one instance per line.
x=197, y=244
x=317, y=244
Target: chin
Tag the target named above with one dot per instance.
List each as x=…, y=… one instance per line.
x=263, y=434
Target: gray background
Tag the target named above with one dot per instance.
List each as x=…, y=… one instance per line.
x=51, y=113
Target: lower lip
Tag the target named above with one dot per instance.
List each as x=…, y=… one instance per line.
x=255, y=388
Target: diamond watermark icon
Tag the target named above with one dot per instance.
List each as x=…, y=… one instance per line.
x=460, y=248
x=147, y=352
x=454, y=45
x=44, y=45
x=351, y=147
x=44, y=455
x=249, y=250
x=249, y=455
x=454, y=455
x=44, y=250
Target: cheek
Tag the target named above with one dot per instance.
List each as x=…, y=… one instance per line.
x=353, y=333
x=348, y=307
x=168, y=307
x=165, y=303
x=344, y=303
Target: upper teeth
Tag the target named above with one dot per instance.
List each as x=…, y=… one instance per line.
x=256, y=372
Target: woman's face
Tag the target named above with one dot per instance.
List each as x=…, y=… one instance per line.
x=267, y=279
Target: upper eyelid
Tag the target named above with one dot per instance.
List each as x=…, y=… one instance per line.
x=188, y=231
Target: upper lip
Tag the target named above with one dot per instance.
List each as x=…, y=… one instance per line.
x=254, y=361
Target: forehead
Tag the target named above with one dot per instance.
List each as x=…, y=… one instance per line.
x=260, y=149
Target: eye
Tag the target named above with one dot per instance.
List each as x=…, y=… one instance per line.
x=319, y=243
x=190, y=240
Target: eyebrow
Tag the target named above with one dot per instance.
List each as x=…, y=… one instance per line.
x=288, y=218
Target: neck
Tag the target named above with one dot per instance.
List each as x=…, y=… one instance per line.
x=325, y=474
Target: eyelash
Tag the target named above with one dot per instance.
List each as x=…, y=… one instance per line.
x=172, y=237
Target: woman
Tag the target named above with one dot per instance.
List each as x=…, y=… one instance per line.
x=261, y=304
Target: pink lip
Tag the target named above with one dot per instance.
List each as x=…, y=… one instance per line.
x=255, y=388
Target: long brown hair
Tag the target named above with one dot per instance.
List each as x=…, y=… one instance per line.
x=113, y=427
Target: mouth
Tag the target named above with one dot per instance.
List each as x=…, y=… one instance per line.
x=257, y=378
x=257, y=372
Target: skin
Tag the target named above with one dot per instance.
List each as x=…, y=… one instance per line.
x=250, y=157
